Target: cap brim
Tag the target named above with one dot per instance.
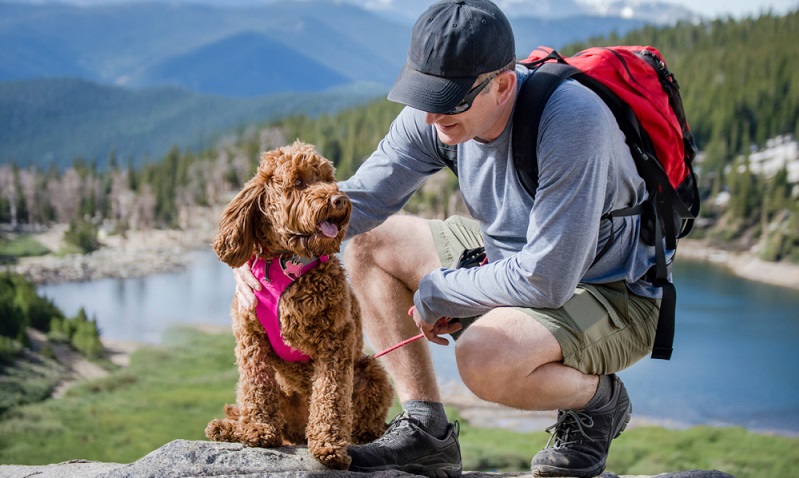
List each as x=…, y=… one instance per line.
x=432, y=94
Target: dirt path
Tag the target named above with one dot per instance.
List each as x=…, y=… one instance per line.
x=80, y=368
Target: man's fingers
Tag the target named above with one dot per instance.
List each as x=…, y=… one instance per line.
x=245, y=283
x=433, y=337
x=448, y=328
x=244, y=276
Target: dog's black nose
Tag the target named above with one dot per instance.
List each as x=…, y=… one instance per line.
x=338, y=200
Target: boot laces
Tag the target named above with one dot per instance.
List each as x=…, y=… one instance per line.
x=392, y=429
x=566, y=431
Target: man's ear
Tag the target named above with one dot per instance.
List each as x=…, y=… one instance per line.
x=505, y=86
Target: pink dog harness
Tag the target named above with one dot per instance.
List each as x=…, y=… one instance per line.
x=276, y=275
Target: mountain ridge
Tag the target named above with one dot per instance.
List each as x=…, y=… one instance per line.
x=55, y=121
x=129, y=44
x=211, y=58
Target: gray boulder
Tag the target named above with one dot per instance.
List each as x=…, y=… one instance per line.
x=183, y=459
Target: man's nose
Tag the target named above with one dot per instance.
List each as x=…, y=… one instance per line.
x=432, y=118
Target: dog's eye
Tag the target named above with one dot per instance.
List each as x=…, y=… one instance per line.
x=299, y=183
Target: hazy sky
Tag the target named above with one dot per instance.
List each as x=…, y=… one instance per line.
x=709, y=8
x=736, y=8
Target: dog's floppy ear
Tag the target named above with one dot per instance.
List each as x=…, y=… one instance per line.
x=239, y=227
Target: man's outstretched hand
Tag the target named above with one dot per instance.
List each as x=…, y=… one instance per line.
x=433, y=332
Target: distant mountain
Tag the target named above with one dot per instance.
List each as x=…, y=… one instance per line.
x=650, y=12
x=146, y=76
x=54, y=121
x=234, y=51
x=135, y=44
x=246, y=64
x=557, y=32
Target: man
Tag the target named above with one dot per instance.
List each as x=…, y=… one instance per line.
x=546, y=322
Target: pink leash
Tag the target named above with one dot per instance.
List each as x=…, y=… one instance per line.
x=396, y=346
x=406, y=341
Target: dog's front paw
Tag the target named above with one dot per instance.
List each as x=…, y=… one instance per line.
x=332, y=456
x=260, y=435
x=222, y=430
x=250, y=434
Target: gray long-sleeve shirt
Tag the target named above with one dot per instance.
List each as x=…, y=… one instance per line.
x=539, y=248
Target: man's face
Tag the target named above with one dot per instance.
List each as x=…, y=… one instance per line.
x=484, y=120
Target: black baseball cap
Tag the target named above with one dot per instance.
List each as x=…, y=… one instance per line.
x=452, y=43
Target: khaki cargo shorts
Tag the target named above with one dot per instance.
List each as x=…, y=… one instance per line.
x=602, y=329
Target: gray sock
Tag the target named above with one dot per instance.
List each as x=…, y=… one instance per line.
x=604, y=391
x=432, y=416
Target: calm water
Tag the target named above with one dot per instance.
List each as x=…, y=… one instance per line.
x=736, y=358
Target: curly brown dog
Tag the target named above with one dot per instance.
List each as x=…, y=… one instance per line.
x=303, y=376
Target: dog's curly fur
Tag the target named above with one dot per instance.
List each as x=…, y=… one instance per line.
x=340, y=396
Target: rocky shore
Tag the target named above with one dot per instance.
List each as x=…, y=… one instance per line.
x=136, y=254
x=743, y=264
x=141, y=253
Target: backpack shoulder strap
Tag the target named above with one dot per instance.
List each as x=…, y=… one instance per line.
x=533, y=96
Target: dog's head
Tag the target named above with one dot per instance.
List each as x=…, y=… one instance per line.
x=292, y=204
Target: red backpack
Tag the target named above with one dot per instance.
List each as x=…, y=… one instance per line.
x=644, y=97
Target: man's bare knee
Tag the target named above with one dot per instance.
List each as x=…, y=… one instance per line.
x=476, y=366
x=359, y=252
x=501, y=350
x=402, y=247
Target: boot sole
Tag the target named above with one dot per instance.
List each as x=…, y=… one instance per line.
x=439, y=471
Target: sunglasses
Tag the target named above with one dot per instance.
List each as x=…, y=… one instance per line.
x=466, y=103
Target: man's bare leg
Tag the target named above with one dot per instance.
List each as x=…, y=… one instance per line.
x=505, y=357
x=508, y=357
x=385, y=266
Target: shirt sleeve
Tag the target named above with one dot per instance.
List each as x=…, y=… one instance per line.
x=404, y=159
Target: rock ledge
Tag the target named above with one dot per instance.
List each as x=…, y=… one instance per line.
x=182, y=458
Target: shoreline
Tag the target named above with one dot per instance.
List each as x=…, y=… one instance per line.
x=138, y=254
x=742, y=264
x=143, y=253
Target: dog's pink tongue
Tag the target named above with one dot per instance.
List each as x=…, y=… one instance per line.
x=328, y=229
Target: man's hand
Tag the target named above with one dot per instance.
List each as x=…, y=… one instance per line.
x=245, y=284
x=432, y=332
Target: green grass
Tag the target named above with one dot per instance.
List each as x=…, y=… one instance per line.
x=172, y=391
x=25, y=378
x=165, y=394
x=23, y=245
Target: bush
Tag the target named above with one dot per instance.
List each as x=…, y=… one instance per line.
x=86, y=338
x=8, y=348
x=13, y=319
x=80, y=332
x=59, y=330
x=82, y=234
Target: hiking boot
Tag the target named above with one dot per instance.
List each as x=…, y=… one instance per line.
x=581, y=438
x=405, y=446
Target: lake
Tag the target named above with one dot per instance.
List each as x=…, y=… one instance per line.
x=736, y=350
